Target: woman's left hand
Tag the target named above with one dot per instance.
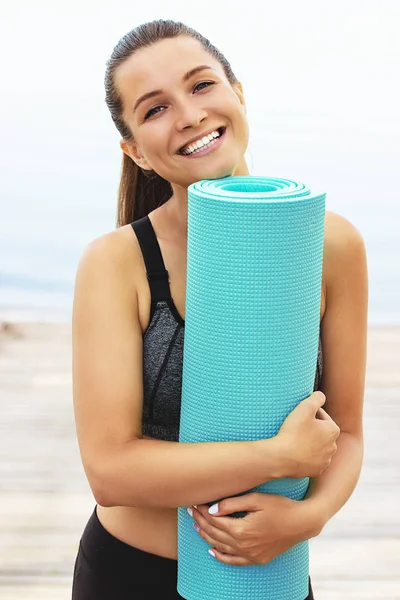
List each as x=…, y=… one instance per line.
x=273, y=525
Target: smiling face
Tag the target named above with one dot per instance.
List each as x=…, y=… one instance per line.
x=194, y=98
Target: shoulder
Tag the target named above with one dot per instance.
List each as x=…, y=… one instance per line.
x=340, y=233
x=344, y=247
x=115, y=251
x=110, y=264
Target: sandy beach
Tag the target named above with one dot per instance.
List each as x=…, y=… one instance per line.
x=45, y=499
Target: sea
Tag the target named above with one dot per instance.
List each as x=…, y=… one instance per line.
x=53, y=207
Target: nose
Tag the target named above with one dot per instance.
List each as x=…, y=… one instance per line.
x=190, y=116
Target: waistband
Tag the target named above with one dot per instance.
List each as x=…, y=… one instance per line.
x=106, y=553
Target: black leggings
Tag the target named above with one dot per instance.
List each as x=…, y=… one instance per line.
x=108, y=569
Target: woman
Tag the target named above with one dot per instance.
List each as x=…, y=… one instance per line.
x=181, y=114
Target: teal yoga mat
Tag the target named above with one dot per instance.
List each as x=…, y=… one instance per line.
x=254, y=274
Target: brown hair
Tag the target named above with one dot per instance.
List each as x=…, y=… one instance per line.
x=142, y=191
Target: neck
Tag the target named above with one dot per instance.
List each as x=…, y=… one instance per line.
x=176, y=208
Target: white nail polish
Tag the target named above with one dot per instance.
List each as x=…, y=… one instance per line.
x=190, y=511
x=213, y=509
x=212, y=553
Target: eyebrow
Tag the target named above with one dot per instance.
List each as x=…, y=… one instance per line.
x=187, y=76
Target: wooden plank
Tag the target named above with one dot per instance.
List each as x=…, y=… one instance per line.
x=45, y=499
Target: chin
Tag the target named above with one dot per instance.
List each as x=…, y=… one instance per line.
x=220, y=172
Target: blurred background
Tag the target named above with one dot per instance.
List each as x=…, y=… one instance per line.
x=321, y=82
x=322, y=89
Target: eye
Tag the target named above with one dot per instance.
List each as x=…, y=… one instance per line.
x=151, y=111
x=204, y=82
x=155, y=109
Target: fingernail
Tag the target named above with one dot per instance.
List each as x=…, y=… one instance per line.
x=196, y=526
x=212, y=553
x=190, y=511
x=213, y=509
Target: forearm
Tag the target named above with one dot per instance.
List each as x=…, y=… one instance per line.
x=330, y=491
x=170, y=474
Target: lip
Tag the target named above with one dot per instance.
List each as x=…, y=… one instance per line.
x=199, y=137
x=217, y=143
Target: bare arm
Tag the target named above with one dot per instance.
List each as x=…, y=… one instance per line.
x=122, y=468
x=344, y=338
x=159, y=473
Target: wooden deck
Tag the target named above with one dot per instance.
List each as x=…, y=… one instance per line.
x=45, y=499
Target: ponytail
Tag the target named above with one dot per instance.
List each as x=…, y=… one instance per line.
x=139, y=192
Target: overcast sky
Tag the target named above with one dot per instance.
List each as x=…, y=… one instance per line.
x=321, y=82
x=317, y=77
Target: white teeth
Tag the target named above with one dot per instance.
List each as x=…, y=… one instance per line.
x=200, y=143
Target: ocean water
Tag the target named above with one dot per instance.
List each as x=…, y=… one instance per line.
x=61, y=203
x=38, y=263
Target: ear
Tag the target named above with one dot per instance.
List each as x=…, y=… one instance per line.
x=133, y=151
x=237, y=86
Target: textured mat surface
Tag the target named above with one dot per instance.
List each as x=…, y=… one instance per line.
x=254, y=274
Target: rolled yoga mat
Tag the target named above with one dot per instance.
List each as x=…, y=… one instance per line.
x=253, y=291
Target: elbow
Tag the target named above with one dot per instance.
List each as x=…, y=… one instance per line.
x=102, y=496
x=101, y=486
x=107, y=493
x=109, y=485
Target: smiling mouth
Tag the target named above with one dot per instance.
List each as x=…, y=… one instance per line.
x=220, y=130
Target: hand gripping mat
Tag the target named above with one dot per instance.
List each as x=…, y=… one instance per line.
x=253, y=291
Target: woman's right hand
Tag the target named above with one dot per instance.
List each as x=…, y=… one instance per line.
x=309, y=441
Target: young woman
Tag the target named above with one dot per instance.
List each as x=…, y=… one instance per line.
x=181, y=114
